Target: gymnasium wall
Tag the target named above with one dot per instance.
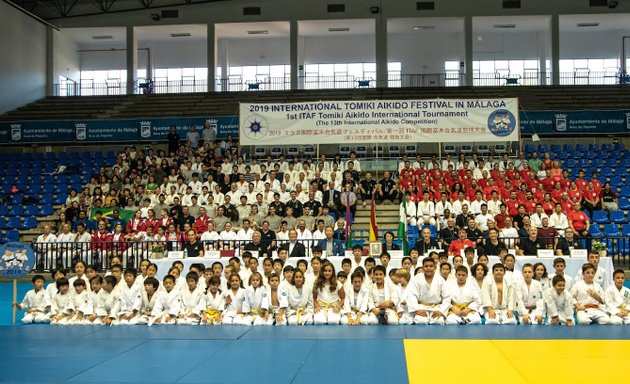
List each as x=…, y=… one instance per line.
x=23, y=59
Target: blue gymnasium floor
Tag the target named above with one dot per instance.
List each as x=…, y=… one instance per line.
x=236, y=354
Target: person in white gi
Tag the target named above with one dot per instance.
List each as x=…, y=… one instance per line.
x=167, y=306
x=428, y=298
x=328, y=296
x=149, y=299
x=617, y=298
x=215, y=302
x=426, y=211
x=192, y=301
x=559, y=303
x=36, y=303
x=130, y=295
x=383, y=298
x=355, y=307
x=300, y=301
x=465, y=300
x=498, y=298
x=59, y=302
x=601, y=275
x=529, y=295
x=589, y=298
x=234, y=300
x=109, y=303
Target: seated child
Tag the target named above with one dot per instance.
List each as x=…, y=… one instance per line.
x=559, y=303
x=35, y=303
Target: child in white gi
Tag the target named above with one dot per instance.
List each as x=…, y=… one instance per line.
x=589, y=298
x=278, y=301
x=215, y=302
x=79, y=303
x=428, y=298
x=617, y=298
x=328, y=296
x=498, y=298
x=559, y=303
x=300, y=300
x=382, y=300
x=167, y=305
x=130, y=295
x=56, y=274
x=79, y=270
x=256, y=302
x=465, y=300
x=97, y=295
x=355, y=307
x=36, y=303
x=109, y=303
x=529, y=295
x=403, y=276
x=60, y=301
x=559, y=265
x=234, y=300
x=192, y=301
x=149, y=299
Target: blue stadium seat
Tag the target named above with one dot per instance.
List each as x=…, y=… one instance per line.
x=30, y=222
x=61, y=199
x=625, y=163
x=607, y=172
x=625, y=230
x=260, y=152
x=46, y=199
x=344, y=151
x=555, y=148
x=46, y=210
x=17, y=199
x=48, y=189
x=3, y=223
x=309, y=151
x=612, y=162
x=593, y=147
x=394, y=151
x=567, y=147
x=412, y=231
x=62, y=179
x=617, y=217
x=616, y=181
x=16, y=210
x=529, y=148
x=292, y=152
x=12, y=235
x=31, y=210
x=465, y=148
x=600, y=217
x=597, y=162
x=611, y=230
x=361, y=151
x=624, y=203
x=14, y=222
x=595, y=231
x=580, y=147
x=569, y=163
x=583, y=163
x=4, y=210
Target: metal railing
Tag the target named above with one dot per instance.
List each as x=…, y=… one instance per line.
x=238, y=84
x=100, y=254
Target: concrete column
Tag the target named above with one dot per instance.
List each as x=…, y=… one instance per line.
x=293, y=53
x=132, y=60
x=381, y=51
x=468, y=50
x=50, y=61
x=212, y=58
x=555, y=49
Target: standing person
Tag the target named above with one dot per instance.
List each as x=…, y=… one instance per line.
x=193, y=137
x=173, y=140
x=209, y=133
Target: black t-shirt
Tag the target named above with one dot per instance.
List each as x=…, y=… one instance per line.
x=387, y=185
x=193, y=249
x=530, y=248
x=368, y=186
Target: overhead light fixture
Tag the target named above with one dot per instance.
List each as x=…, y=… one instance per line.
x=339, y=29
x=183, y=34
x=505, y=26
x=103, y=37
x=587, y=25
x=423, y=27
x=261, y=32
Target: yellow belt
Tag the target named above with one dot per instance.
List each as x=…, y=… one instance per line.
x=427, y=304
x=328, y=305
x=255, y=310
x=622, y=307
x=461, y=307
x=299, y=314
x=212, y=314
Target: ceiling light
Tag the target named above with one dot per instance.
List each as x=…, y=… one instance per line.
x=587, y=25
x=505, y=26
x=103, y=37
x=339, y=29
x=184, y=34
x=424, y=27
x=262, y=32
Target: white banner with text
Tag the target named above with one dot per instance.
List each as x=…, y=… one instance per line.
x=370, y=121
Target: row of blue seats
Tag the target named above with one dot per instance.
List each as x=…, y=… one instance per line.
x=29, y=222
x=45, y=199
x=26, y=210
x=617, y=217
x=46, y=179
x=43, y=165
x=59, y=155
x=40, y=189
x=570, y=147
x=595, y=162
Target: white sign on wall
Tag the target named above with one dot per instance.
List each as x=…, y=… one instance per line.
x=412, y=121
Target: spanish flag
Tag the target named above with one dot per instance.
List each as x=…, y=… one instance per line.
x=373, y=225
